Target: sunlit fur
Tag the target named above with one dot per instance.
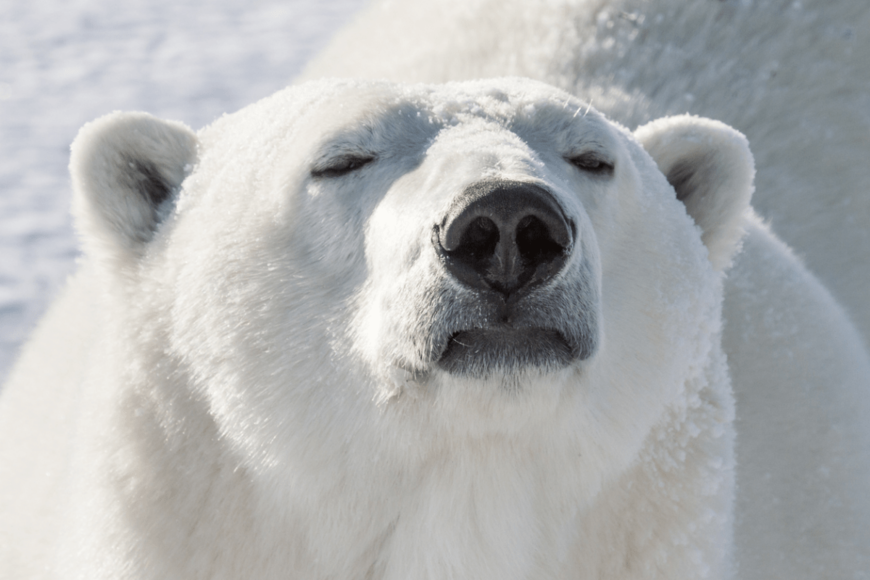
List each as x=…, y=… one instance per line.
x=257, y=393
x=793, y=76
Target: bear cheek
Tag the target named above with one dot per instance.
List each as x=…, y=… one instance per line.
x=396, y=233
x=390, y=282
x=394, y=298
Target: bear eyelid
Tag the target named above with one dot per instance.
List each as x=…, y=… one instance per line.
x=591, y=162
x=342, y=165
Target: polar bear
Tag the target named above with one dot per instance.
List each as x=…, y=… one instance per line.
x=372, y=330
x=779, y=71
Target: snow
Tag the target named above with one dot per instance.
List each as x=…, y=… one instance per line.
x=64, y=63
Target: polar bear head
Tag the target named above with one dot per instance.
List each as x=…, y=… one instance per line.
x=352, y=270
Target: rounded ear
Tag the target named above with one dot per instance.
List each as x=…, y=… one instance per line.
x=126, y=170
x=711, y=170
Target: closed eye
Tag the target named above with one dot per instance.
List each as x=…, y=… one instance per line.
x=591, y=162
x=342, y=165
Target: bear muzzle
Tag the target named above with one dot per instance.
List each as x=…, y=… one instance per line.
x=508, y=242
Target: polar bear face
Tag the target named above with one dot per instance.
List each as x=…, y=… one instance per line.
x=417, y=267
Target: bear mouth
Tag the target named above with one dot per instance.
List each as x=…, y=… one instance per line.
x=480, y=352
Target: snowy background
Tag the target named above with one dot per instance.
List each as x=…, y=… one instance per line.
x=66, y=62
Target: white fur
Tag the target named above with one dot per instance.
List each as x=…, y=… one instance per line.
x=698, y=155
x=246, y=409
x=239, y=386
x=792, y=75
x=800, y=378
x=118, y=220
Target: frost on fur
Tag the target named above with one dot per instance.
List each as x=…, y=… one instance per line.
x=711, y=169
x=126, y=167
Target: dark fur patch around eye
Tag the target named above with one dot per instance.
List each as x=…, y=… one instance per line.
x=340, y=166
x=148, y=181
x=591, y=163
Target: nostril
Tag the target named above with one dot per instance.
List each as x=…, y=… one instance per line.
x=535, y=242
x=478, y=241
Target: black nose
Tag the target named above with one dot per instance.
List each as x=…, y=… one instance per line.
x=504, y=236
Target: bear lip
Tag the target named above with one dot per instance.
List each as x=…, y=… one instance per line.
x=546, y=327
x=481, y=351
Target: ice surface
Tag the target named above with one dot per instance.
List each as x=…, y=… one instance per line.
x=64, y=63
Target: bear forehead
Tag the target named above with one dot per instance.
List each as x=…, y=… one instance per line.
x=372, y=116
x=511, y=102
x=366, y=111
x=494, y=98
